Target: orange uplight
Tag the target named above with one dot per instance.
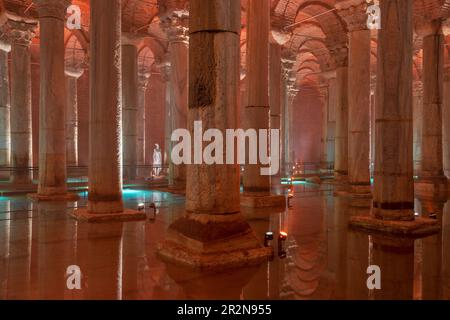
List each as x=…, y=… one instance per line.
x=283, y=234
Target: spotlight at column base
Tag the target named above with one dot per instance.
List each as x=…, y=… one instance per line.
x=418, y=228
x=212, y=242
x=263, y=201
x=55, y=197
x=126, y=215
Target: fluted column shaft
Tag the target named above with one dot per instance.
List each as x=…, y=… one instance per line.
x=394, y=188
x=257, y=109
x=129, y=110
x=105, y=161
x=52, y=106
x=21, y=146
x=359, y=111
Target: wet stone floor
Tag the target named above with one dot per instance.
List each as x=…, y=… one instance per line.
x=324, y=260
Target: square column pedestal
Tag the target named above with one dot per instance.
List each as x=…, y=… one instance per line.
x=54, y=197
x=127, y=215
x=263, y=201
x=215, y=242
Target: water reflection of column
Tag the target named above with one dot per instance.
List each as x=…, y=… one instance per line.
x=55, y=235
x=340, y=227
x=395, y=257
x=133, y=254
x=104, y=261
x=446, y=251
x=5, y=228
x=19, y=262
x=432, y=254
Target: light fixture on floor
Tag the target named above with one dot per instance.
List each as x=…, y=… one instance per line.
x=282, y=244
x=268, y=237
x=153, y=206
x=290, y=196
x=141, y=206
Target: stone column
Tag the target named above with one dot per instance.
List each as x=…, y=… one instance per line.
x=341, y=135
x=417, y=124
x=331, y=118
x=432, y=181
x=129, y=108
x=5, y=106
x=105, y=154
x=174, y=23
x=20, y=35
x=168, y=119
x=446, y=122
x=72, y=76
x=394, y=188
x=257, y=190
x=287, y=64
x=359, y=108
x=213, y=234
x=323, y=140
x=52, y=106
x=275, y=93
x=143, y=78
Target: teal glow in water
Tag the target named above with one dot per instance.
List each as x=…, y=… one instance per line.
x=295, y=182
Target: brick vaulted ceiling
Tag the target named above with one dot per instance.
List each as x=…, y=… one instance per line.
x=317, y=29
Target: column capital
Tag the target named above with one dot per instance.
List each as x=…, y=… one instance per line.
x=175, y=24
x=165, y=68
x=74, y=72
x=354, y=14
x=52, y=8
x=143, y=79
x=128, y=39
x=5, y=44
x=340, y=55
x=426, y=27
x=417, y=88
x=20, y=32
x=447, y=74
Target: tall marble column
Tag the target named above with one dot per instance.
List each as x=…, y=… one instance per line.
x=52, y=106
x=323, y=139
x=164, y=67
x=105, y=139
x=21, y=34
x=446, y=122
x=432, y=181
x=257, y=188
x=331, y=131
x=129, y=108
x=143, y=78
x=393, y=206
x=359, y=108
x=417, y=124
x=341, y=134
x=275, y=92
x=213, y=234
x=72, y=76
x=5, y=106
x=174, y=22
x=287, y=65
